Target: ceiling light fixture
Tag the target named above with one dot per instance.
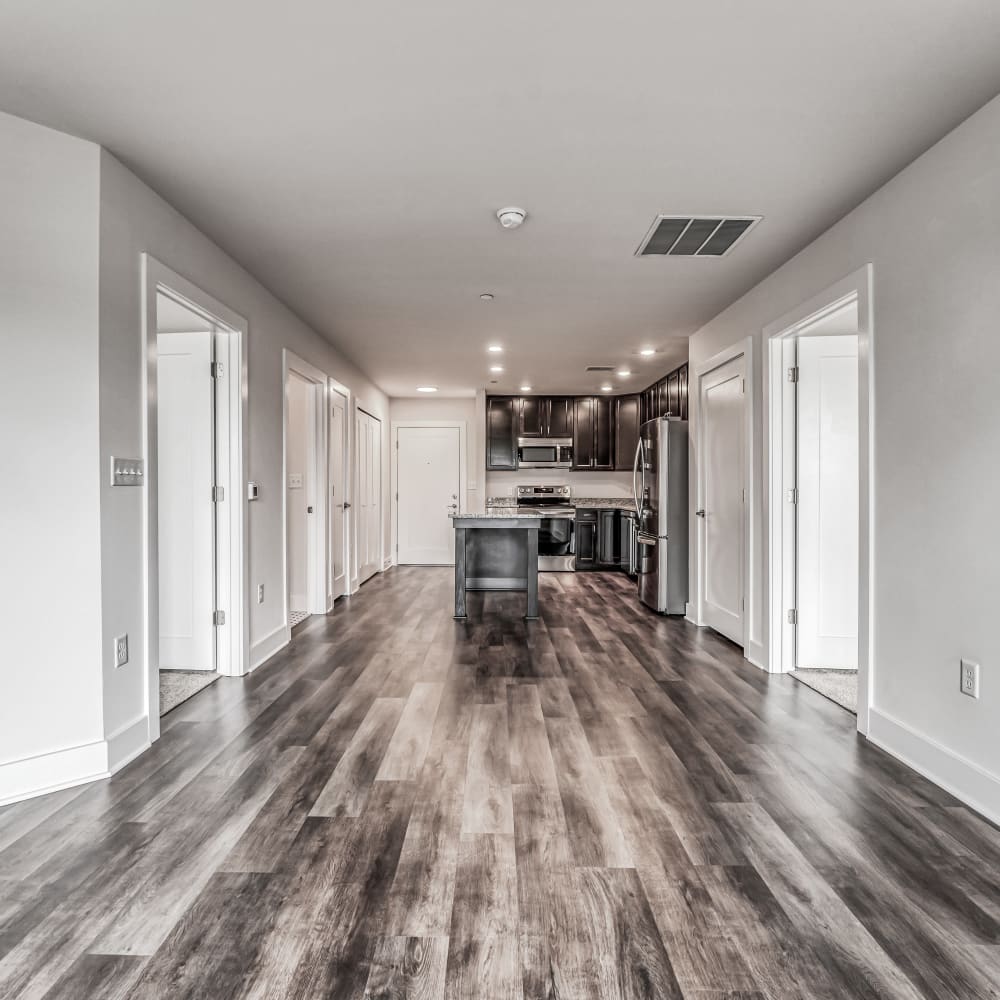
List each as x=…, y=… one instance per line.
x=647, y=352
x=525, y=388
x=607, y=388
x=486, y=297
x=495, y=349
x=427, y=388
x=624, y=373
x=511, y=217
x=495, y=368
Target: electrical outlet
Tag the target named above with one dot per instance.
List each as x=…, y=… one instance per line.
x=260, y=593
x=970, y=678
x=121, y=650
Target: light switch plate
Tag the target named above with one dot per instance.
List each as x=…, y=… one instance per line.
x=970, y=678
x=126, y=471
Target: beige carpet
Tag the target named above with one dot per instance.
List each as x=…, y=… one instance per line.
x=840, y=686
x=176, y=686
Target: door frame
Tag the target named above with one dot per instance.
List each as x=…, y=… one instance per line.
x=463, y=490
x=857, y=288
x=232, y=524
x=317, y=449
x=381, y=563
x=333, y=386
x=745, y=348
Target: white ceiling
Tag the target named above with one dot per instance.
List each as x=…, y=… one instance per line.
x=352, y=155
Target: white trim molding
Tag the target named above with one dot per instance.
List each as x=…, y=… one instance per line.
x=126, y=743
x=967, y=781
x=854, y=288
x=264, y=648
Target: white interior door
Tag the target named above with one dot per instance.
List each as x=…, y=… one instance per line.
x=298, y=490
x=723, y=434
x=338, y=495
x=368, y=494
x=827, y=512
x=185, y=510
x=428, y=479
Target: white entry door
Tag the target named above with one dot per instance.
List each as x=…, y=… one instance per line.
x=185, y=509
x=722, y=501
x=428, y=482
x=827, y=479
x=338, y=494
x=369, y=494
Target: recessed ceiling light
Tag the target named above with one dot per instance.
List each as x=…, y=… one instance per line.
x=525, y=388
x=494, y=348
x=647, y=352
x=487, y=296
x=427, y=388
x=606, y=388
x=624, y=372
x=511, y=217
x=496, y=368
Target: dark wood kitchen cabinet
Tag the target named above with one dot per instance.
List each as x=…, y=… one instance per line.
x=682, y=375
x=674, y=393
x=585, y=533
x=626, y=431
x=545, y=417
x=604, y=433
x=501, y=432
x=583, y=432
x=608, y=540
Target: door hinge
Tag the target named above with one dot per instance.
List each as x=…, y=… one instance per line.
x=743, y=604
x=793, y=374
x=218, y=369
x=793, y=616
x=218, y=494
x=792, y=496
x=218, y=617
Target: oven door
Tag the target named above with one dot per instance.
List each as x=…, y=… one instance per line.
x=555, y=544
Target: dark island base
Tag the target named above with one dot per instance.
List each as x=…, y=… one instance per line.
x=499, y=554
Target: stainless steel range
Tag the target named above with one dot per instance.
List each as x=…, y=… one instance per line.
x=555, y=533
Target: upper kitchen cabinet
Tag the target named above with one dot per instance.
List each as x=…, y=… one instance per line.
x=674, y=393
x=543, y=417
x=560, y=417
x=682, y=373
x=604, y=433
x=583, y=432
x=626, y=431
x=502, y=415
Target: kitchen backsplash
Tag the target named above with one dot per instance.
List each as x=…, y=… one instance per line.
x=583, y=484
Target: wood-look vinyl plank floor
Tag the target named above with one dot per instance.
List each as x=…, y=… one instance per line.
x=601, y=804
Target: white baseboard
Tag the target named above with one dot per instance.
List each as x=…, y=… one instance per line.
x=387, y=563
x=756, y=654
x=264, y=649
x=974, y=785
x=127, y=742
x=49, y=772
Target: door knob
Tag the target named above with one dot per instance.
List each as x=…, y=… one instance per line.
x=700, y=513
x=309, y=510
x=347, y=506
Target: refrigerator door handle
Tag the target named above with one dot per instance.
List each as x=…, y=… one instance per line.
x=635, y=470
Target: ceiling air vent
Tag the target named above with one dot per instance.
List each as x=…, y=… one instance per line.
x=695, y=236
x=600, y=368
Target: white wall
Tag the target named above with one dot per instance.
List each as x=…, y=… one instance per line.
x=297, y=453
x=933, y=236
x=50, y=600
x=134, y=219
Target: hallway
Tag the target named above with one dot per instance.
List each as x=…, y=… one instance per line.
x=600, y=804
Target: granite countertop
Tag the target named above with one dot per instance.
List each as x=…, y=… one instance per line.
x=600, y=503
x=500, y=512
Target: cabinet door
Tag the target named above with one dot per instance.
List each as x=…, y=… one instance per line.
x=682, y=374
x=560, y=417
x=501, y=439
x=608, y=543
x=662, y=404
x=626, y=431
x=583, y=432
x=604, y=433
x=531, y=416
x=674, y=393
x=649, y=396
x=586, y=539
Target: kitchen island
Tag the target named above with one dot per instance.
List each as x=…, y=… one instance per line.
x=497, y=551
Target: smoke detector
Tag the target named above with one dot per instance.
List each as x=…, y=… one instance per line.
x=512, y=217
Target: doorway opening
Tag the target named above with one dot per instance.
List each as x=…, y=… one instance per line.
x=339, y=465
x=368, y=495
x=307, y=560
x=724, y=490
x=429, y=471
x=818, y=384
x=195, y=390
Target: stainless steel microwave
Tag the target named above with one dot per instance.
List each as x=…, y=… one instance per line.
x=544, y=453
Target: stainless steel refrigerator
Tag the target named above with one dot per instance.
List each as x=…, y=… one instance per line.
x=660, y=490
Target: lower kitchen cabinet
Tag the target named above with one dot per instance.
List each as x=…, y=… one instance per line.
x=598, y=539
x=585, y=528
x=608, y=540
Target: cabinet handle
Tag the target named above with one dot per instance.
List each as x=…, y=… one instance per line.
x=700, y=513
